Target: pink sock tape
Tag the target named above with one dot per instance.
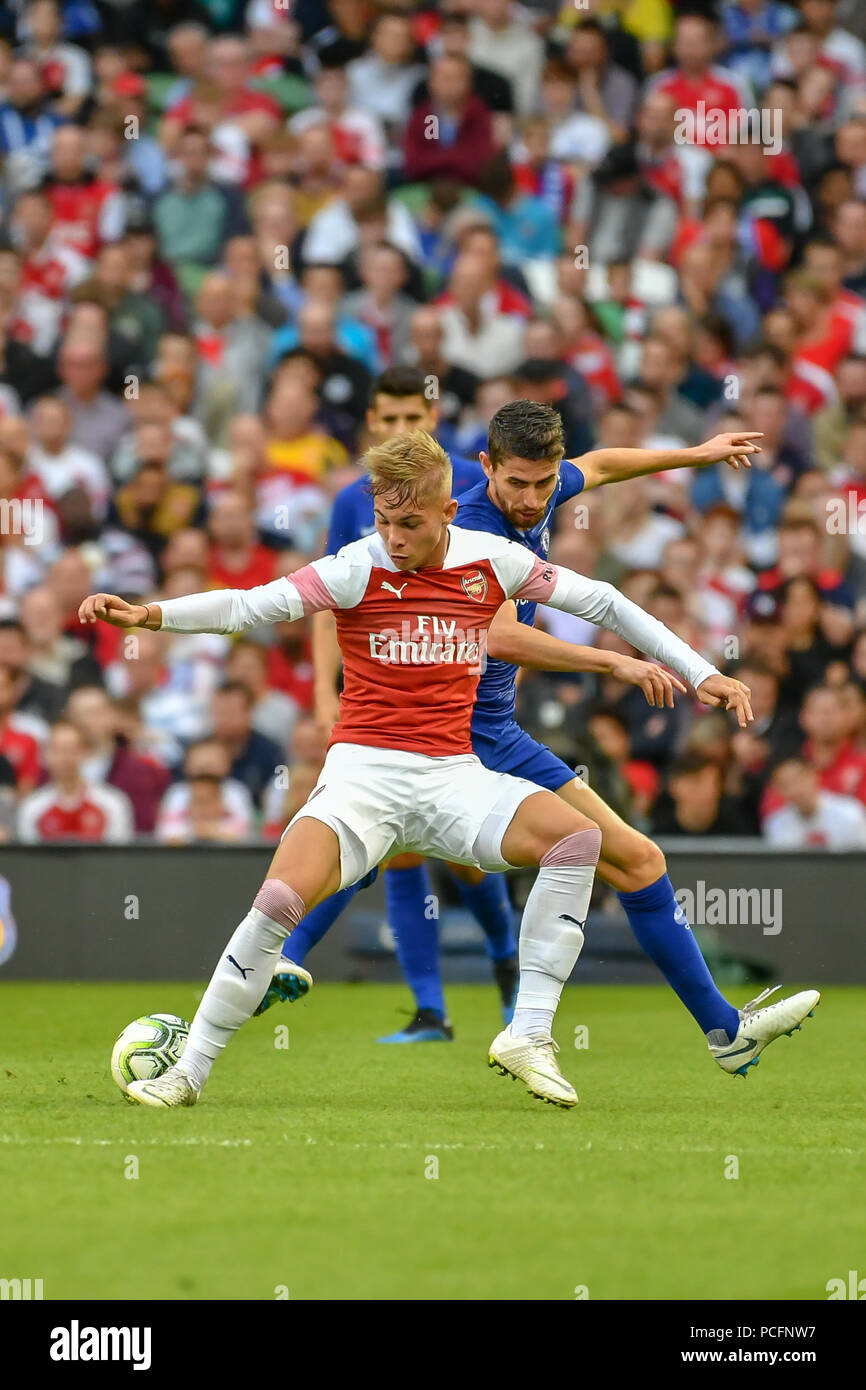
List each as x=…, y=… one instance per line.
x=583, y=847
x=280, y=902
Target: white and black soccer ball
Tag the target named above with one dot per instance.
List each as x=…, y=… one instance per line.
x=148, y=1047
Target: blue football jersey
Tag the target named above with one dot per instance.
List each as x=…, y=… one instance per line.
x=352, y=514
x=497, y=691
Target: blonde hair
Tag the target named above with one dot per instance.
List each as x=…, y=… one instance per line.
x=412, y=466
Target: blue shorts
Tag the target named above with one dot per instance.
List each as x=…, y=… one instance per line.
x=511, y=749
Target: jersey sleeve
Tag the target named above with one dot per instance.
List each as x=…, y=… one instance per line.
x=572, y=480
x=513, y=565
x=604, y=605
x=233, y=610
x=336, y=581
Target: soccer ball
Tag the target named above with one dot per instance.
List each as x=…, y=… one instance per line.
x=148, y=1047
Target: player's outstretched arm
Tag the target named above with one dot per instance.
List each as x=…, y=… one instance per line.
x=535, y=650
x=604, y=605
x=218, y=610
x=616, y=465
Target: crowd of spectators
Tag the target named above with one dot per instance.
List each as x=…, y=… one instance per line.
x=221, y=220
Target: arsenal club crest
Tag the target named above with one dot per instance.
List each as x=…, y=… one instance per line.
x=475, y=586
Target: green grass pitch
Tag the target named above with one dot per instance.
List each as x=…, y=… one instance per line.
x=313, y=1169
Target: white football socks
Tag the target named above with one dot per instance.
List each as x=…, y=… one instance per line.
x=551, y=933
x=241, y=979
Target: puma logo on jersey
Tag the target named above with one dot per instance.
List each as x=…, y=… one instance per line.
x=398, y=592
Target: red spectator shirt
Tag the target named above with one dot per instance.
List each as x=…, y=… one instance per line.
x=259, y=569
x=240, y=105
x=593, y=359
x=715, y=88
x=91, y=815
x=78, y=209
x=501, y=299
x=22, y=750
x=810, y=385
x=47, y=277
x=846, y=774
x=292, y=675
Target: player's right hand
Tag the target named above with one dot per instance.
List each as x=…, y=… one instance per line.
x=657, y=684
x=112, y=609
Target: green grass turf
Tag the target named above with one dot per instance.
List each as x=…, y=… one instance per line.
x=306, y=1167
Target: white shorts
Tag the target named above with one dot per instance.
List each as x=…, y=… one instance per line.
x=380, y=802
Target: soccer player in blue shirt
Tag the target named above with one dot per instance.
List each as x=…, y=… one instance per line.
x=526, y=480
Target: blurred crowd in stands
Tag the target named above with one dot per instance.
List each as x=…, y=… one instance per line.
x=221, y=220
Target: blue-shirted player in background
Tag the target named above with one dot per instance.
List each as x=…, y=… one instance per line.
x=526, y=480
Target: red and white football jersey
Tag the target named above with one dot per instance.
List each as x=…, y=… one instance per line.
x=87, y=214
x=716, y=90
x=414, y=641
x=97, y=812
x=47, y=278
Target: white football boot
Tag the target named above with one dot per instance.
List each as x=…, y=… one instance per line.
x=164, y=1092
x=759, y=1027
x=532, y=1061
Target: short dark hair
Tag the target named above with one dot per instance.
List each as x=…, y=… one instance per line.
x=610, y=712
x=591, y=26
x=756, y=664
x=246, y=644
x=237, y=688
x=787, y=760
x=198, y=132
x=333, y=267
x=691, y=762
x=526, y=430
x=398, y=381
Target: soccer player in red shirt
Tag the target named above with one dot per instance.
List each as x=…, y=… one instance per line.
x=413, y=603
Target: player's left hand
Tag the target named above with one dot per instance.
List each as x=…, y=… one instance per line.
x=728, y=693
x=734, y=449
x=657, y=684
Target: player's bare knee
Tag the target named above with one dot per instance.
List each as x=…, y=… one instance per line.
x=645, y=865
